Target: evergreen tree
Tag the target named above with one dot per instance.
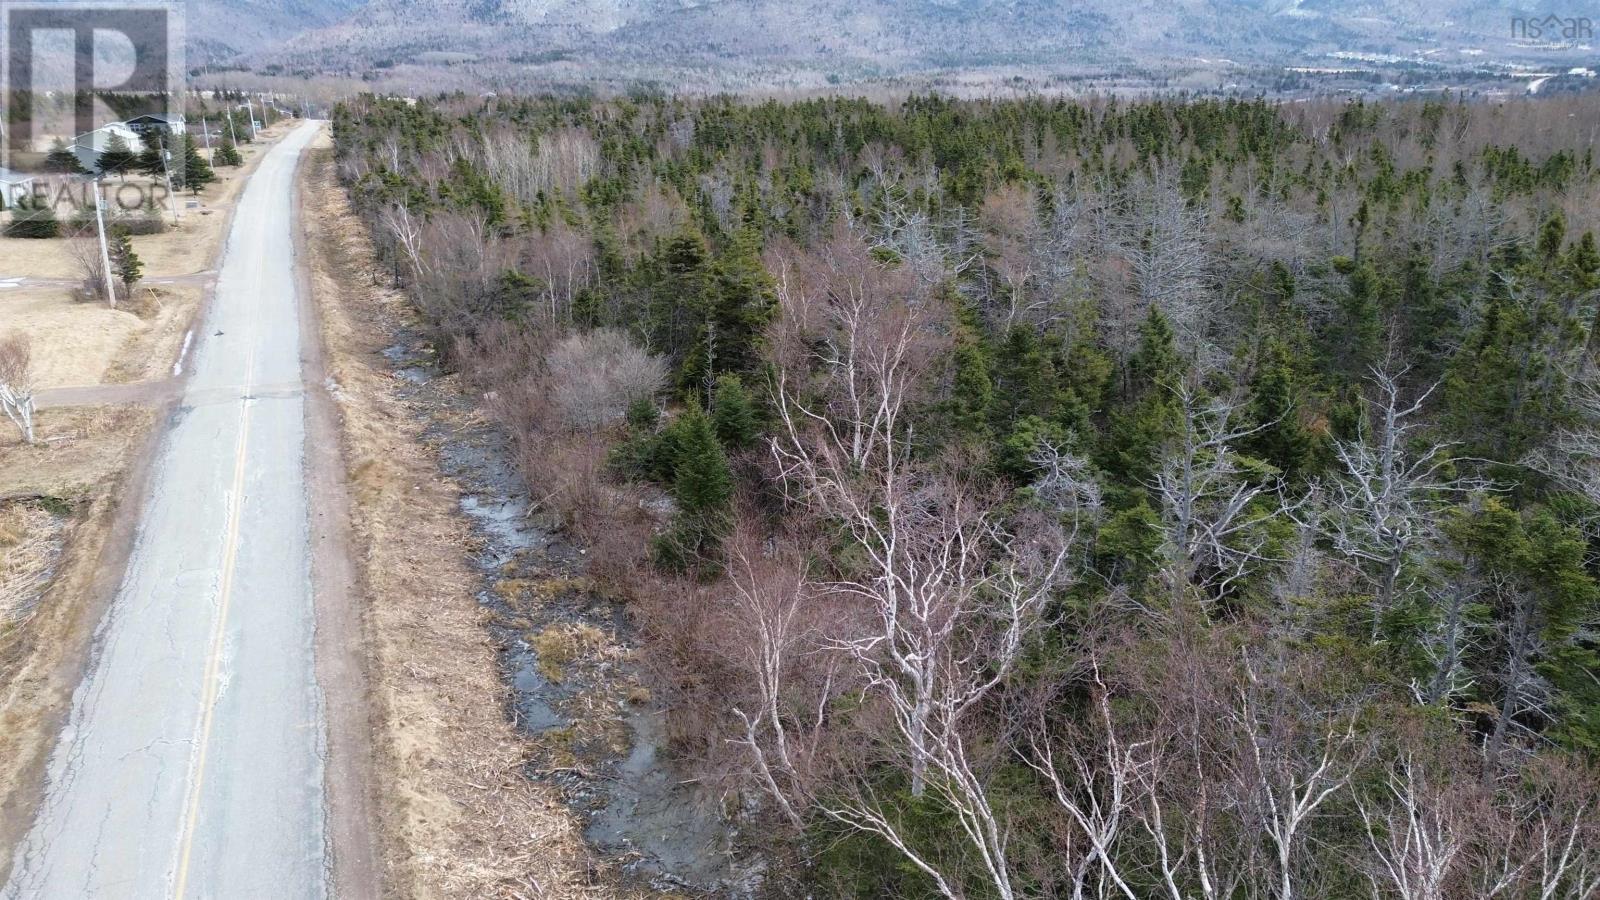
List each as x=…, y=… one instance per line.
x=62, y=160
x=733, y=414
x=471, y=188
x=702, y=483
x=972, y=390
x=1507, y=387
x=1149, y=417
x=701, y=479
x=124, y=262
x=1284, y=441
x=226, y=154
x=515, y=294
x=196, y=171
x=152, y=160
x=1356, y=337
x=732, y=313
x=117, y=159
x=1025, y=376
x=678, y=281
x=1540, y=670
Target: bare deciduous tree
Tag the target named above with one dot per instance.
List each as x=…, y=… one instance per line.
x=16, y=383
x=1387, y=506
x=948, y=590
x=564, y=260
x=596, y=375
x=406, y=232
x=1416, y=834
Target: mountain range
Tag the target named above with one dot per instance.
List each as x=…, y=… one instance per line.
x=665, y=39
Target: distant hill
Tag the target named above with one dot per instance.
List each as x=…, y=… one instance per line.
x=672, y=39
x=221, y=30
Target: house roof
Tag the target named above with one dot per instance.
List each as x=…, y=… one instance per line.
x=159, y=117
x=112, y=128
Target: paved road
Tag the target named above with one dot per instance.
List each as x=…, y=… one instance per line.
x=192, y=764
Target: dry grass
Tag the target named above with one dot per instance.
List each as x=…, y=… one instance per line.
x=73, y=343
x=559, y=645
x=30, y=541
x=459, y=817
x=78, y=344
x=168, y=312
x=79, y=454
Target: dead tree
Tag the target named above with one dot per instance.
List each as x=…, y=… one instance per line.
x=1524, y=689
x=1161, y=240
x=932, y=249
x=1387, y=506
x=1449, y=642
x=1210, y=536
x=1572, y=455
x=776, y=613
x=16, y=383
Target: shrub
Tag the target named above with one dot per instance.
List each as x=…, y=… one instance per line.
x=144, y=223
x=33, y=219
x=597, y=376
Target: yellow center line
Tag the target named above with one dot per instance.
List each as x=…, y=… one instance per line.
x=230, y=554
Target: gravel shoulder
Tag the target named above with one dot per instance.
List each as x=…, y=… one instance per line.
x=457, y=817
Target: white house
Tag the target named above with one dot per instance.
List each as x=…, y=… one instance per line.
x=13, y=186
x=88, y=147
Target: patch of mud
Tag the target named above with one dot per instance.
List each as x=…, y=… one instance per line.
x=568, y=654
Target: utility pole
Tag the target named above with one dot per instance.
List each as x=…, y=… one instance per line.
x=166, y=171
x=232, y=132
x=251, y=110
x=105, y=252
x=206, y=130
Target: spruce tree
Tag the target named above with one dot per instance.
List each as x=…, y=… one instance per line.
x=678, y=282
x=702, y=481
x=1283, y=440
x=32, y=218
x=1141, y=428
x=124, y=261
x=62, y=160
x=152, y=160
x=117, y=159
x=733, y=414
x=196, y=171
x=972, y=394
x=226, y=154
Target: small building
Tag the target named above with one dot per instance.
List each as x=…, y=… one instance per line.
x=87, y=147
x=14, y=186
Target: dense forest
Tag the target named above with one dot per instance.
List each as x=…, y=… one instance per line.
x=1174, y=498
